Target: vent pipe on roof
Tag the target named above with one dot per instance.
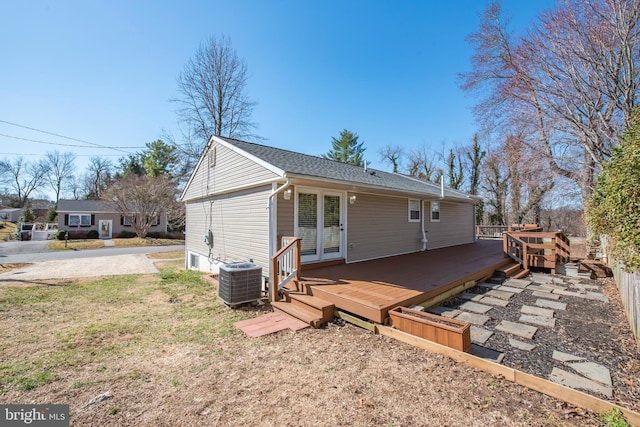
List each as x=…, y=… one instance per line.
x=365, y=165
x=441, y=187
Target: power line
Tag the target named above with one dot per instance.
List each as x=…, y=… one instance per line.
x=64, y=145
x=62, y=136
x=77, y=155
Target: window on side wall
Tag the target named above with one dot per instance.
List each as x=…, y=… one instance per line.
x=435, y=211
x=414, y=210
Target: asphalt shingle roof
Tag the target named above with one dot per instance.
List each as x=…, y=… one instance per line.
x=314, y=167
x=83, y=206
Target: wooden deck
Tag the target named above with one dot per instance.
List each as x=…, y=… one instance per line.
x=371, y=288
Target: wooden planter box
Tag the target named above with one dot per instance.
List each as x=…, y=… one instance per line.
x=450, y=332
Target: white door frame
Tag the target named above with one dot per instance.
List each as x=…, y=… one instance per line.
x=320, y=254
x=109, y=224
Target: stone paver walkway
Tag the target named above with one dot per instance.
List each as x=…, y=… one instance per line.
x=476, y=308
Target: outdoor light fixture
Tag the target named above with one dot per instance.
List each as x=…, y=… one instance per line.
x=352, y=200
x=287, y=194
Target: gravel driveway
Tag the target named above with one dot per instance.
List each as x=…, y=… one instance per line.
x=82, y=267
x=45, y=264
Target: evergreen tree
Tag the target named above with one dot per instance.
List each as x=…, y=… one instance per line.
x=346, y=149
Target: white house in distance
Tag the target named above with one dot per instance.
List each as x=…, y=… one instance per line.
x=242, y=198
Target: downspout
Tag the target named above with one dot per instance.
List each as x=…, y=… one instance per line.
x=276, y=192
x=273, y=220
x=424, y=233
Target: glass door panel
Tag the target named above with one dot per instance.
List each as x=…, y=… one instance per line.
x=331, y=231
x=308, y=223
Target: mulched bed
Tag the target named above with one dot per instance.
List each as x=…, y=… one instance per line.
x=598, y=331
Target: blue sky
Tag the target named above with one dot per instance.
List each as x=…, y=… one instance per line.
x=104, y=72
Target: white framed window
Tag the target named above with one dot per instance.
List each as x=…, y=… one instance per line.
x=82, y=220
x=435, y=211
x=414, y=210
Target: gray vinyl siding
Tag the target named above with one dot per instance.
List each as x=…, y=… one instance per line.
x=240, y=225
x=378, y=226
x=231, y=170
x=455, y=226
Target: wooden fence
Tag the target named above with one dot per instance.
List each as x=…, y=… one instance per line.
x=629, y=288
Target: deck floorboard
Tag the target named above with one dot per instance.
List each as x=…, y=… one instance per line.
x=371, y=288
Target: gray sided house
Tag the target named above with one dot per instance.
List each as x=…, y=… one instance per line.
x=78, y=217
x=242, y=198
x=10, y=214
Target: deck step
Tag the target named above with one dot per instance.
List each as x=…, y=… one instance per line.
x=323, y=307
x=521, y=274
x=304, y=313
x=509, y=270
x=309, y=309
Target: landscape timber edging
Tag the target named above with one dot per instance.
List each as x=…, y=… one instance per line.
x=558, y=391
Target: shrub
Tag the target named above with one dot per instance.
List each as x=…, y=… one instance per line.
x=92, y=234
x=60, y=234
x=158, y=235
x=126, y=234
x=613, y=206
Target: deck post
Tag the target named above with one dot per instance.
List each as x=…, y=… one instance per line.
x=273, y=288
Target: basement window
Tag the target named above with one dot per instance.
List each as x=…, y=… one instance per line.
x=435, y=211
x=414, y=210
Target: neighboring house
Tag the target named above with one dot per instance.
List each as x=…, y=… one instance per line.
x=242, y=198
x=10, y=214
x=78, y=217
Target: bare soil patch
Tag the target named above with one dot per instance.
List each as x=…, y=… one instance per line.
x=12, y=266
x=167, y=351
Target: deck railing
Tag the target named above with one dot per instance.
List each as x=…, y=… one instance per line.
x=285, y=265
x=495, y=231
x=537, y=249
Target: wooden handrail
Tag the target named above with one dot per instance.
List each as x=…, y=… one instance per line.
x=525, y=246
x=285, y=265
x=495, y=231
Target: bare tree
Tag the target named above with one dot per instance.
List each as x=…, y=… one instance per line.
x=423, y=164
x=569, y=84
x=392, y=154
x=496, y=186
x=528, y=179
x=99, y=175
x=213, y=99
x=141, y=199
x=23, y=177
x=60, y=166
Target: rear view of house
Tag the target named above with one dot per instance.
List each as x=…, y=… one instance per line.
x=242, y=198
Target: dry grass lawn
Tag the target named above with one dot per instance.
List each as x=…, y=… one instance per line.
x=7, y=229
x=167, y=351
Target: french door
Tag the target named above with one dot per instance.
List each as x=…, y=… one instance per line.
x=319, y=220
